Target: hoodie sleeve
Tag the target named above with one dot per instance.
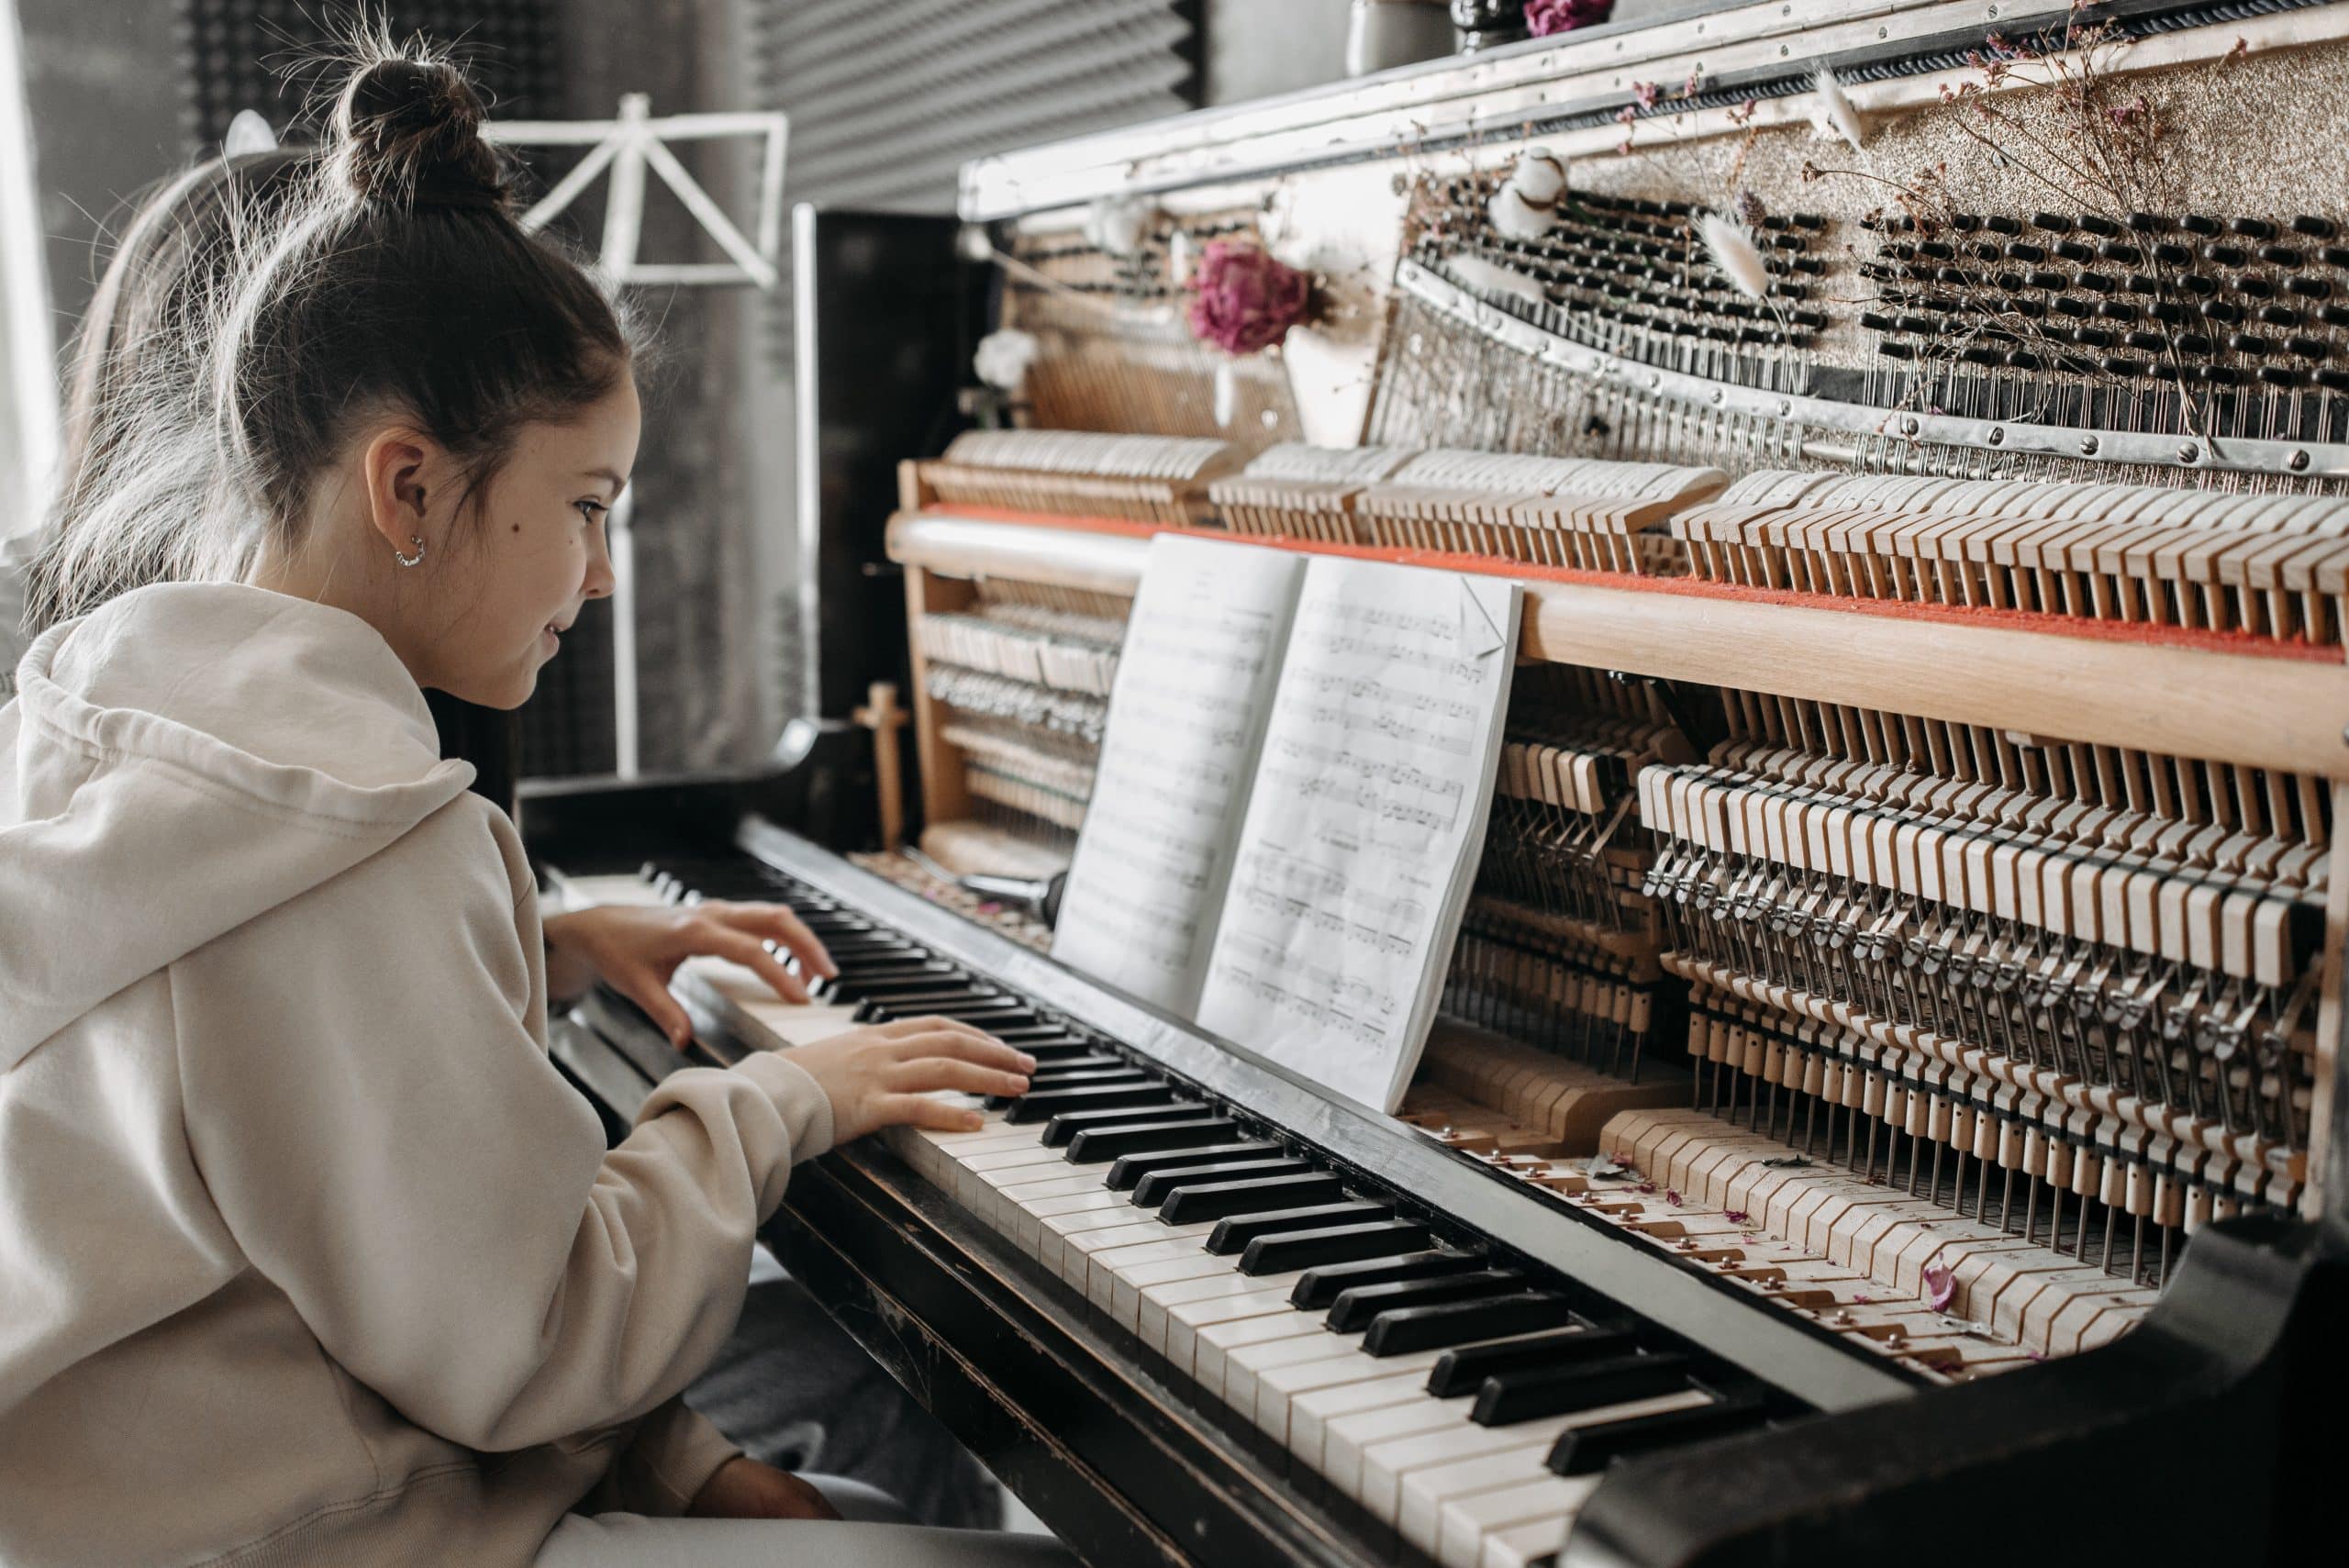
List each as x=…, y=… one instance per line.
x=368, y=1099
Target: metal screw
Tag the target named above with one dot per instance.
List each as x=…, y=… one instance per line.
x=1784, y=50
x=1908, y=426
x=1993, y=13
x=1884, y=32
x=2188, y=453
x=1717, y=398
x=1997, y=436
x=2089, y=445
x=1786, y=407
x=2296, y=462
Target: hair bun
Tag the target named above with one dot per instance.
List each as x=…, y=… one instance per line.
x=409, y=131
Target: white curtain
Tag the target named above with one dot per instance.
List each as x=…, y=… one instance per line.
x=28, y=393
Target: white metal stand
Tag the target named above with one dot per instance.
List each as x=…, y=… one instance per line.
x=627, y=147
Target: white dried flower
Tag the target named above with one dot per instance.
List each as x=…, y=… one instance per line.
x=1832, y=113
x=1118, y=224
x=1004, y=356
x=1526, y=205
x=1734, y=253
x=1491, y=277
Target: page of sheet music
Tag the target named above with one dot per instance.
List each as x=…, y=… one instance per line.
x=1194, y=682
x=1372, y=784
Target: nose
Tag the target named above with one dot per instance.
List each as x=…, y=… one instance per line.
x=600, y=580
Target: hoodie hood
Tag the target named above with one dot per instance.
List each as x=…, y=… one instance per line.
x=183, y=760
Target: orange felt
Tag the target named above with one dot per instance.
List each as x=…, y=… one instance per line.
x=2234, y=642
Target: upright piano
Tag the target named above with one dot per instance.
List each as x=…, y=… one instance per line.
x=1888, y=1104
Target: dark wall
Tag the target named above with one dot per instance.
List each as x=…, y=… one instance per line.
x=699, y=594
x=102, y=88
x=109, y=113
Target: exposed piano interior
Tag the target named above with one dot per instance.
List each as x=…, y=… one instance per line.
x=1889, y=1096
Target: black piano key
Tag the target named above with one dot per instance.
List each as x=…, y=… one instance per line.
x=1063, y=1074
x=1066, y=1124
x=981, y=1014
x=1153, y=1188
x=1529, y=1394
x=1322, y=1287
x=1465, y=1368
x=1354, y=1308
x=1046, y=1044
x=1192, y=1201
x=1042, y=1104
x=1233, y=1232
x=1120, y=1078
x=1586, y=1450
x=1094, y=1060
x=1128, y=1169
x=1408, y=1329
x=1099, y=1145
x=1333, y=1244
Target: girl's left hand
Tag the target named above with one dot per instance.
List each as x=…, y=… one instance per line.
x=742, y=1488
x=635, y=949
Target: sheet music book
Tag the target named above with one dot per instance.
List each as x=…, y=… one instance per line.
x=1290, y=799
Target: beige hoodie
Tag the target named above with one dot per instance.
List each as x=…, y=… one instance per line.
x=306, y=1253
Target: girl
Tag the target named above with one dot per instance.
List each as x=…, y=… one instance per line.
x=117, y=526
x=305, y=1252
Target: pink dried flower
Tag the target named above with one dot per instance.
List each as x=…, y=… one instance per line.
x=1625, y=115
x=1861, y=1297
x=1941, y=1286
x=1644, y=1187
x=1673, y=1199
x=1737, y=1216
x=1543, y=17
x=1242, y=300
x=1646, y=92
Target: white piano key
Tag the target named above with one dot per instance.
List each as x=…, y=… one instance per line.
x=1213, y=1341
x=1514, y=1546
x=1426, y=1493
x=1311, y=1409
x=1347, y=1440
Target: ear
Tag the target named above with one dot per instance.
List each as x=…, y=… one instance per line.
x=404, y=472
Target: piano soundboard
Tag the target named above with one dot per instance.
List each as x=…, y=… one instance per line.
x=1888, y=1095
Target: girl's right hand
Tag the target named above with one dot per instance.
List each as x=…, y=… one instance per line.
x=883, y=1076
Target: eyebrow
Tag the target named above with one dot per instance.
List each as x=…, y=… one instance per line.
x=616, y=481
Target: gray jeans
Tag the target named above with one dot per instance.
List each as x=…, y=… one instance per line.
x=874, y=1534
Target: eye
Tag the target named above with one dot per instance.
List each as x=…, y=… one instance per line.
x=590, y=510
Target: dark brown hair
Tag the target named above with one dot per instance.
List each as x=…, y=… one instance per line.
x=406, y=288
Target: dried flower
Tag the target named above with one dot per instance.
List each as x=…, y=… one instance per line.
x=1491, y=277
x=1737, y=1216
x=1734, y=253
x=1861, y=1297
x=1242, y=300
x=1644, y=1187
x=1646, y=92
x=1003, y=357
x=1118, y=224
x=1941, y=1286
x=1833, y=115
x=1671, y=1196
x=1627, y=114
x=1749, y=210
x=1543, y=17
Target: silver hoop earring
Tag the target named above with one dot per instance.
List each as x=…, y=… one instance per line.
x=416, y=560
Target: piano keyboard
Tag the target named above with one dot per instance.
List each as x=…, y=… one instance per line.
x=1435, y=1383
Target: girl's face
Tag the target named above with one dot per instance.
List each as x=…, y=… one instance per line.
x=535, y=553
